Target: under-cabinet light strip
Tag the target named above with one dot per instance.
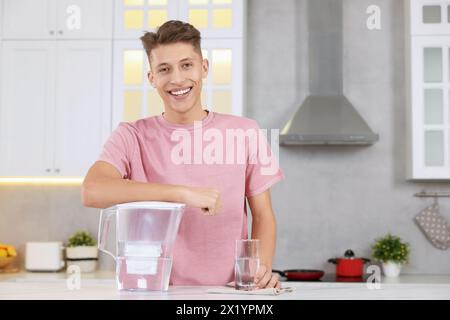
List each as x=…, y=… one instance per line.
x=42, y=180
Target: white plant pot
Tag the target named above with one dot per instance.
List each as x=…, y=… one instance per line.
x=85, y=257
x=391, y=269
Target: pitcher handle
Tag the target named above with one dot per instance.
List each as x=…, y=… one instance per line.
x=103, y=230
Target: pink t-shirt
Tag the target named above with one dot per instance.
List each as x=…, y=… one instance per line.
x=155, y=150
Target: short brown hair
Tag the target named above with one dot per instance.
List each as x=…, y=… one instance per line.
x=172, y=31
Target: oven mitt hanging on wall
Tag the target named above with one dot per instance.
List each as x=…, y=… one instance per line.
x=434, y=226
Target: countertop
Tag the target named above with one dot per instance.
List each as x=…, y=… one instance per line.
x=101, y=285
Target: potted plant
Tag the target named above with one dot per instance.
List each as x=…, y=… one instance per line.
x=392, y=252
x=81, y=250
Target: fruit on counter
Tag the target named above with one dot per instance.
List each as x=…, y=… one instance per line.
x=7, y=250
x=12, y=251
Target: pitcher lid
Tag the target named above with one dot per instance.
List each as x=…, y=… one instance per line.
x=150, y=205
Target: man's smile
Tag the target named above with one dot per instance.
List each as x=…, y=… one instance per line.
x=182, y=92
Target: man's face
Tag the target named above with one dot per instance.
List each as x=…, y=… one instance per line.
x=176, y=72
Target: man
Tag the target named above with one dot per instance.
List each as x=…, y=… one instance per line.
x=161, y=158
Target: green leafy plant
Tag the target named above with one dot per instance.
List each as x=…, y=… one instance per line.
x=391, y=249
x=81, y=238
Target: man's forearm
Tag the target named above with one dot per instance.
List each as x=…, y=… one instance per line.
x=264, y=228
x=107, y=192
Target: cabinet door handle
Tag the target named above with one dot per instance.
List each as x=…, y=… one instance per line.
x=60, y=32
x=51, y=32
x=47, y=170
x=57, y=170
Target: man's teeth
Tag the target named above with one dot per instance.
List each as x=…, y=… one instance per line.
x=180, y=92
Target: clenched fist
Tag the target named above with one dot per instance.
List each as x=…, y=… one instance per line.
x=208, y=199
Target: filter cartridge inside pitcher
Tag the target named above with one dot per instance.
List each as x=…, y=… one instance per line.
x=140, y=266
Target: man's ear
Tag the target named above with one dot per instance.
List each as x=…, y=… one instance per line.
x=205, y=68
x=151, y=78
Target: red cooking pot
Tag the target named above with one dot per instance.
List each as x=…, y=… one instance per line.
x=349, y=266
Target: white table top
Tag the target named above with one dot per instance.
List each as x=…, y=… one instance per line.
x=101, y=285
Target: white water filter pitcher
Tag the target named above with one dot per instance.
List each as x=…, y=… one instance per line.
x=145, y=235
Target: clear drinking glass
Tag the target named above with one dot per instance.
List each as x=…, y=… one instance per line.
x=246, y=264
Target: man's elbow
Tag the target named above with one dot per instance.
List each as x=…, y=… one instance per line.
x=88, y=195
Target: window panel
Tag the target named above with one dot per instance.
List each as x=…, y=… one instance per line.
x=134, y=19
x=222, y=18
x=132, y=105
x=133, y=67
x=156, y=18
x=133, y=2
x=222, y=1
x=155, y=103
x=431, y=14
x=432, y=64
x=157, y=2
x=198, y=18
x=197, y=2
x=433, y=106
x=434, y=148
x=221, y=65
x=222, y=101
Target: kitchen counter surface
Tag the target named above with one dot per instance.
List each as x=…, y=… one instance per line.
x=101, y=285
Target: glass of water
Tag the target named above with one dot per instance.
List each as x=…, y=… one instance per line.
x=246, y=264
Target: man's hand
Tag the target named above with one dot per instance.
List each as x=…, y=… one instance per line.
x=208, y=199
x=266, y=279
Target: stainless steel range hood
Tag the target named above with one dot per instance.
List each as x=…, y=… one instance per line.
x=326, y=116
x=327, y=120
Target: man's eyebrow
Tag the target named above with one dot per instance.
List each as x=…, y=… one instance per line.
x=185, y=59
x=162, y=64
x=182, y=60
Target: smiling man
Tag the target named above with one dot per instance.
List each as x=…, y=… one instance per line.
x=138, y=164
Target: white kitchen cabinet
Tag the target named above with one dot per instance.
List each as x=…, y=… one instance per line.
x=134, y=98
x=214, y=18
x=57, y=19
x=221, y=23
x=54, y=110
x=28, y=19
x=26, y=108
x=83, y=104
x=1, y=45
x=224, y=85
x=1, y=17
x=133, y=17
x=428, y=91
x=429, y=17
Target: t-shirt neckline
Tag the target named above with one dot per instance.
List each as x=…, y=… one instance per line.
x=170, y=125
